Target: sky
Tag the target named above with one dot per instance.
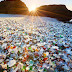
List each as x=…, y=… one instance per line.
x=36, y=3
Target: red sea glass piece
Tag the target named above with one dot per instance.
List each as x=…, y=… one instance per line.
x=44, y=48
x=45, y=59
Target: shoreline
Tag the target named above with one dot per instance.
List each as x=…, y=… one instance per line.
x=20, y=15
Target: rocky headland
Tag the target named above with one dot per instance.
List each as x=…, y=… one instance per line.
x=13, y=7
x=59, y=12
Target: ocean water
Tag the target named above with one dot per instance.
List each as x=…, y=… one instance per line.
x=35, y=43
x=10, y=15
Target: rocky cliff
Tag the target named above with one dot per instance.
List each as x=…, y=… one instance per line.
x=13, y=7
x=55, y=11
x=18, y=7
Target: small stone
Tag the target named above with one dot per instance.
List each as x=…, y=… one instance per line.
x=31, y=62
x=11, y=63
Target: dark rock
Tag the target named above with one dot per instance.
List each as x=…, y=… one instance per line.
x=59, y=12
x=13, y=7
x=1, y=68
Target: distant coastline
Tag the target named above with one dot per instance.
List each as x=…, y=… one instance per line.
x=59, y=12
